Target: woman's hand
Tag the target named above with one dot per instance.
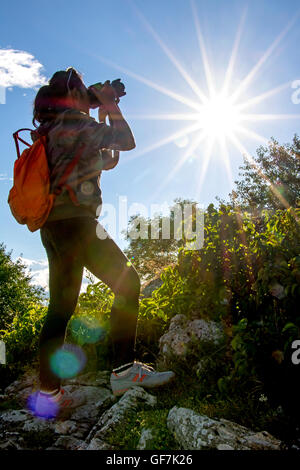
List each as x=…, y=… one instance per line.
x=124, y=137
x=106, y=94
x=102, y=113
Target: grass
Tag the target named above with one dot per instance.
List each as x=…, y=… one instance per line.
x=127, y=436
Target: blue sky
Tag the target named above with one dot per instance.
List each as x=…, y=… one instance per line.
x=152, y=43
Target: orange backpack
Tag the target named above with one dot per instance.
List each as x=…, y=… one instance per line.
x=30, y=199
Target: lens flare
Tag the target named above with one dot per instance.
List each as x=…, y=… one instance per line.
x=87, y=330
x=42, y=406
x=67, y=361
x=182, y=141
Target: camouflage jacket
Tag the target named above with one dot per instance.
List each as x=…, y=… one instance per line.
x=75, y=133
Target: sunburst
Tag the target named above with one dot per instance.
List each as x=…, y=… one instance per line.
x=216, y=117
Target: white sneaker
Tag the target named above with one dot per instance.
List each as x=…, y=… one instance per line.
x=50, y=405
x=138, y=374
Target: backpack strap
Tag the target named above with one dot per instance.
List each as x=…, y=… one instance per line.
x=65, y=175
x=17, y=138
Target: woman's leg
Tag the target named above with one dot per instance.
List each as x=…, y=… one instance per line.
x=65, y=274
x=105, y=260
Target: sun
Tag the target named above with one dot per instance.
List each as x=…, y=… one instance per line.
x=219, y=117
x=216, y=115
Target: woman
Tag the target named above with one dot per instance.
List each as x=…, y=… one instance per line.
x=70, y=232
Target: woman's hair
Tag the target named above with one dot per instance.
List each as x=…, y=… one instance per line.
x=50, y=99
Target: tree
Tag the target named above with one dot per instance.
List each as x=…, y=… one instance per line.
x=16, y=292
x=157, y=248
x=272, y=180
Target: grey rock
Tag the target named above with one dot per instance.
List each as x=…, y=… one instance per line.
x=113, y=417
x=95, y=398
x=69, y=427
x=69, y=443
x=28, y=380
x=146, y=439
x=196, y=432
x=262, y=440
x=19, y=427
x=182, y=331
x=76, y=426
x=85, y=413
x=38, y=425
x=81, y=431
x=11, y=440
x=22, y=388
x=65, y=427
x=98, y=444
x=14, y=416
x=149, y=287
x=10, y=445
x=24, y=394
x=224, y=447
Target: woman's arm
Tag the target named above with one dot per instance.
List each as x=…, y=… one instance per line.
x=110, y=158
x=124, y=139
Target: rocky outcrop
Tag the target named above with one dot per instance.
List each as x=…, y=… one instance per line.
x=101, y=415
x=149, y=287
x=114, y=417
x=182, y=331
x=20, y=429
x=198, y=432
x=83, y=428
x=91, y=425
x=97, y=444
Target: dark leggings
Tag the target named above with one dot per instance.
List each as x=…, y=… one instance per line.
x=72, y=244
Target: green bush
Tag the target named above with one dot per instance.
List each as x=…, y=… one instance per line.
x=89, y=327
x=247, y=277
x=16, y=292
x=22, y=340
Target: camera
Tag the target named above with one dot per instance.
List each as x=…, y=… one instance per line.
x=117, y=85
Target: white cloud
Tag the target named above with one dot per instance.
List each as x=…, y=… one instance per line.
x=38, y=270
x=40, y=278
x=20, y=68
x=33, y=262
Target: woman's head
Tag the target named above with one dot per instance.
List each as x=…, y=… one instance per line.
x=65, y=90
